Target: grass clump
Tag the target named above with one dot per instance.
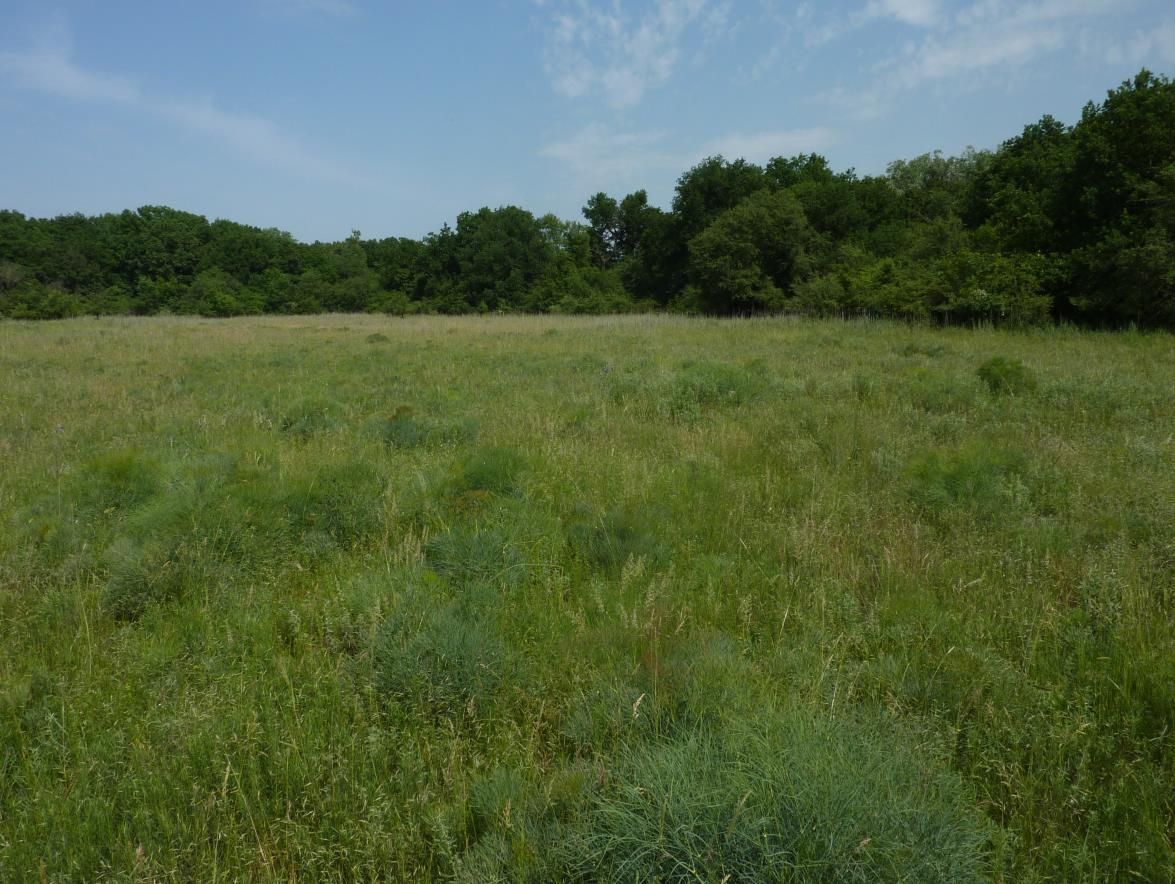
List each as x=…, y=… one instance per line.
x=782, y=796
x=609, y=540
x=217, y=524
x=977, y=479
x=921, y=348
x=494, y=470
x=117, y=481
x=471, y=555
x=703, y=386
x=310, y=417
x=340, y=503
x=938, y=393
x=438, y=657
x=689, y=392
x=1005, y=376
x=405, y=430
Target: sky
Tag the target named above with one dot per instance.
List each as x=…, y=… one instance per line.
x=325, y=116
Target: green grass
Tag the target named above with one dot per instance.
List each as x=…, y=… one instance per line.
x=350, y=598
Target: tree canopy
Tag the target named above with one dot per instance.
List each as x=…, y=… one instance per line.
x=1075, y=223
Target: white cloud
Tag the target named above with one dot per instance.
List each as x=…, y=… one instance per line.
x=601, y=158
x=985, y=38
x=1146, y=48
x=919, y=13
x=50, y=69
x=597, y=153
x=593, y=49
x=337, y=8
x=758, y=147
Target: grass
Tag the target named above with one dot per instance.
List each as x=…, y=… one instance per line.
x=512, y=598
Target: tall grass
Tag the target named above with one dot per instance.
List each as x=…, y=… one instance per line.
x=641, y=598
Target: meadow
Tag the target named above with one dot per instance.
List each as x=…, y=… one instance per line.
x=541, y=598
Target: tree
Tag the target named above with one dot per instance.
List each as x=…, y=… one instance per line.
x=749, y=258
x=500, y=253
x=710, y=188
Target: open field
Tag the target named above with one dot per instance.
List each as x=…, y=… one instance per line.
x=350, y=597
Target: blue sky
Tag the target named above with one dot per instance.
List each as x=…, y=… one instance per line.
x=323, y=116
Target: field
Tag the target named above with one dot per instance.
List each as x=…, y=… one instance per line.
x=350, y=598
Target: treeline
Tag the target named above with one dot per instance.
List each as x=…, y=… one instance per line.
x=1061, y=222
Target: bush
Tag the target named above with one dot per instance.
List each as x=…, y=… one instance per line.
x=818, y=296
x=999, y=288
x=1006, y=376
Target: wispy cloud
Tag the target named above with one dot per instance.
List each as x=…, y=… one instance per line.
x=1153, y=47
x=603, y=51
x=919, y=13
x=337, y=8
x=599, y=157
x=982, y=38
x=596, y=153
x=48, y=68
x=759, y=147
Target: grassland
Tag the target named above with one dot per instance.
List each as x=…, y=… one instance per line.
x=348, y=598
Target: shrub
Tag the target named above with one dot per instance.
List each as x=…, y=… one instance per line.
x=1006, y=376
x=818, y=296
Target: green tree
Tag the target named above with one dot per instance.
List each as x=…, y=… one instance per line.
x=749, y=258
